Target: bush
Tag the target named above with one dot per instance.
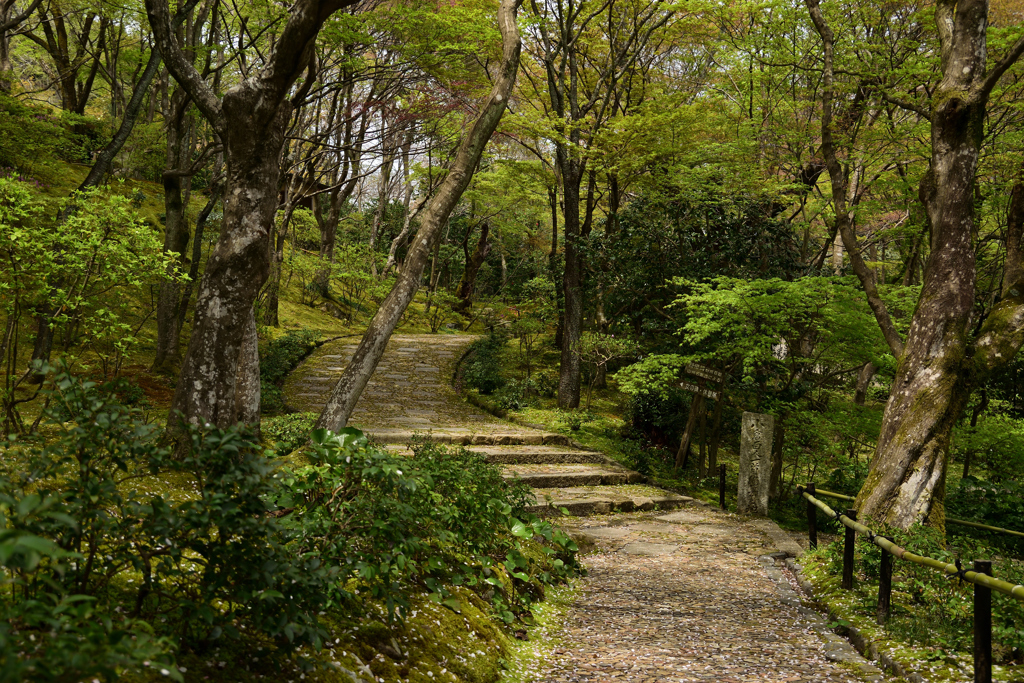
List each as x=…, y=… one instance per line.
x=103, y=572
x=398, y=524
x=278, y=357
x=516, y=395
x=482, y=367
x=285, y=433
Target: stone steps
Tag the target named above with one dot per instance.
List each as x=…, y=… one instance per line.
x=410, y=397
x=545, y=476
x=538, y=455
x=584, y=501
x=466, y=437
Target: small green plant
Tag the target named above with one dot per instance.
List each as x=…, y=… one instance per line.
x=575, y=419
x=285, y=433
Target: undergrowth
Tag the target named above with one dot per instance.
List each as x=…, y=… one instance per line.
x=118, y=560
x=931, y=622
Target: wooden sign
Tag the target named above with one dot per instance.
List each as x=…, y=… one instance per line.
x=701, y=390
x=703, y=371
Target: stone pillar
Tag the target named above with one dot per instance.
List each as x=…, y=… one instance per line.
x=755, y=463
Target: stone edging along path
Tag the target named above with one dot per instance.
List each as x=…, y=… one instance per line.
x=690, y=595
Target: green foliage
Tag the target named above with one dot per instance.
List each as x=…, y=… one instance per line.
x=995, y=504
x=697, y=233
x=102, y=572
x=278, y=357
x=788, y=326
x=482, y=367
x=929, y=608
x=285, y=433
x=656, y=411
x=394, y=523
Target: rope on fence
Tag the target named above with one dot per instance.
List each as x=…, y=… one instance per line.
x=950, y=520
x=950, y=570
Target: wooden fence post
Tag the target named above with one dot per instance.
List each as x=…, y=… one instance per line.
x=884, y=588
x=812, y=519
x=721, y=486
x=848, y=547
x=982, y=626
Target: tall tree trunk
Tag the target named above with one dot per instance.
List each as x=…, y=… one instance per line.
x=572, y=279
x=468, y=283
x=906, y=483
x=553, y=269
x=176, y=233
x=864, y=377
x=979, y=408
x=352, y=382
x=406, y=202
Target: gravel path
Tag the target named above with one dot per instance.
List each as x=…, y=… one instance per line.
x=683, y=597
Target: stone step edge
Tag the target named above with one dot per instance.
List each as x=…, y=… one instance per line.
x=601, y=506
x=555, y=480
x=565, y=458
x=472, y=439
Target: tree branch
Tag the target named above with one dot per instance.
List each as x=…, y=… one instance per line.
x=180, y=66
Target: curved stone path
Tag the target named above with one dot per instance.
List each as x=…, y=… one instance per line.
x=690, y=595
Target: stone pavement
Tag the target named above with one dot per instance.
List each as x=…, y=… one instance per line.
x=411, y=394
x=690, y=595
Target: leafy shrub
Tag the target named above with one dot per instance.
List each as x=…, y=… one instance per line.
x=285, y=433
x=657, y=418
x=516, y=394
x=482, y=367
x=109, y=568
x=278, y=357
x=442, y=517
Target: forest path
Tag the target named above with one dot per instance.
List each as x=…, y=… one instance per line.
x=690, y=595
x=411, y=394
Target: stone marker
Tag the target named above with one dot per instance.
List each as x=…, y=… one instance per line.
x=755, y=463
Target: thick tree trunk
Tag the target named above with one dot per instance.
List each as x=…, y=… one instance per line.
x=346, y=393
x=251, y=119
x=906, y=483
x=208, y=388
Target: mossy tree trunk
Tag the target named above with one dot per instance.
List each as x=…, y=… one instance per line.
x=941, y=362
x=219, y=381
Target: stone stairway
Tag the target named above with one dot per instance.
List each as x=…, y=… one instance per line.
x=410, y=395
